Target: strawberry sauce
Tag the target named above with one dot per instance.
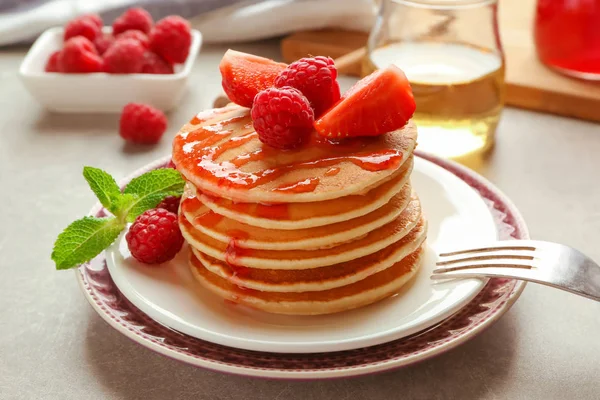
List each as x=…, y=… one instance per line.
x=234, y=252
x=273, y=211
x=306, y=185
x=332, y=171
x=209, y=218
x=201, y=148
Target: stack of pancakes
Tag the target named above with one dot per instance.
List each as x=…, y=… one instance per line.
x=325, y=228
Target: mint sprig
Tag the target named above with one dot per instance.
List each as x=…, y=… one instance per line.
x=84, y=239
x=87, y=237
x=103, y=185
x=152, y=188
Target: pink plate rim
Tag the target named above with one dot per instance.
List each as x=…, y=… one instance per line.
x=488, y=306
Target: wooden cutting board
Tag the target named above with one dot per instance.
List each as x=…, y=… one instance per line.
x=529, y=84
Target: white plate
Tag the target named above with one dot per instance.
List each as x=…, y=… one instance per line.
x=100, y=92
x=457, y=216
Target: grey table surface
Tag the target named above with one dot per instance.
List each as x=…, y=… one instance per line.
x=54, y=346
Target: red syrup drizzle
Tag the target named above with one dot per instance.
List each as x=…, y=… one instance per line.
x=200, y=156
x=209, y=218
x=245, y=290
x=208, y=114
x=304, y=186
x=232, y=255
x=270, y=211
x=273, y=211
x=226, y=175
x=190, y=205
x=234, y=252
x=332, y=171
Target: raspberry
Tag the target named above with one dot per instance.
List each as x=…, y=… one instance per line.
x=141, y=123
x=52, y=65
x=282, y=117
x=95, y=18
x=81, y=26
x=136, y=35
x=103, y=42
x=155, y=64
x=79, y=56
x=316, y=79
x=171, y=38
x=170, y=203
x=133, y=19
x=155, y=237
x=125, y=56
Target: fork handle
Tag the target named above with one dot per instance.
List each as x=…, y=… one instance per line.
x=589, y=290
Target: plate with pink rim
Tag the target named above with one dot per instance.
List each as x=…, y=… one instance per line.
x=428, y=319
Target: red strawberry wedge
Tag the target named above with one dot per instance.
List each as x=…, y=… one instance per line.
x=379, y=103
x=244, y=75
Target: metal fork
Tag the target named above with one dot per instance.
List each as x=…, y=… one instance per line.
x=550, y=264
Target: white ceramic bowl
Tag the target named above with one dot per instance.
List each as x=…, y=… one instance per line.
x=100, y=92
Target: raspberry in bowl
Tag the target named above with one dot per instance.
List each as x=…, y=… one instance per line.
x=91, y=84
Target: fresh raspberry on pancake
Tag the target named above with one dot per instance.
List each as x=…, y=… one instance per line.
x=315, y=77
x=282, y=117
x=155, y=237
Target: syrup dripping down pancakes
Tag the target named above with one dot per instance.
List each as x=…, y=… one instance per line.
x=322, y=229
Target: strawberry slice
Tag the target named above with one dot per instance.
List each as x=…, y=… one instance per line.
x=244, y=75
x=379, y=103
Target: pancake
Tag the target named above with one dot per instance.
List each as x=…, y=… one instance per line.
x=327, y=227
x=220, y=153
x=234, y=253
x=371, y=289
x=317, y=279
x=225, y=229
x=308, y=215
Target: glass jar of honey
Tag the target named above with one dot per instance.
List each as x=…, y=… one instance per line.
x=451, y=53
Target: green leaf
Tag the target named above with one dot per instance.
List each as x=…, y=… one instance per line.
x=151, y=188
x=146, y=203
x=123, y=204
x=104, y=186
x=84, y=239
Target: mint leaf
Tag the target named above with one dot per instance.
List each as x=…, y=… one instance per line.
x=146, y=203
x=151, y=188
x=84, y=239
x=123, y=204
x=104, y=186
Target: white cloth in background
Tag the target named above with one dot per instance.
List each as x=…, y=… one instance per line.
x=218, y=20
x=272, y=18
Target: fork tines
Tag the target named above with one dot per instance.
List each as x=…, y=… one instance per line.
x=499, y=255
